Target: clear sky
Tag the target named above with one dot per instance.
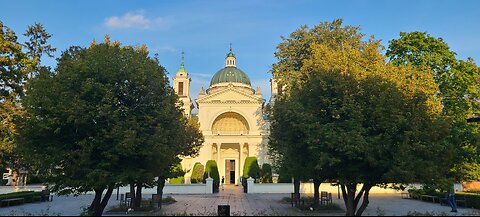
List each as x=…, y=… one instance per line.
x=204, y=29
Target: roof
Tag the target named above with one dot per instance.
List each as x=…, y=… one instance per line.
x=230, y=74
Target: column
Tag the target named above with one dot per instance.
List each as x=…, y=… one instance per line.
x=240, y=162
x=219, y=164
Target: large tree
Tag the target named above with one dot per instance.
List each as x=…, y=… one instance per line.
x=362, y=120
x=459, y=89
x=14, y=67
x=99, y=119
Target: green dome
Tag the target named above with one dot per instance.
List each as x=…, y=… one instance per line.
x=230, y=74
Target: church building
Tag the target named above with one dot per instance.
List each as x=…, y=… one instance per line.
x=230, y=113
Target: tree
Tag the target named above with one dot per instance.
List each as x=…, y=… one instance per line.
x=37, y=44
x=211, y=170
x=356, y=118
x=14, y=67
x=185, y=141
x=458, y=80
x=101, y=120
x=197, y=173
x=459, y=89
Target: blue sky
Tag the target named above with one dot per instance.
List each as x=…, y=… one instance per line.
x=204, y=29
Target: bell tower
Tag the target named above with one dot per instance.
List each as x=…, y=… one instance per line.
x=181, y=84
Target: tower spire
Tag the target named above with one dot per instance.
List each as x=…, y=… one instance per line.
x=183, y=58
x=182, y=65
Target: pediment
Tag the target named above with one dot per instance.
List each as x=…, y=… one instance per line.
x=232, y=95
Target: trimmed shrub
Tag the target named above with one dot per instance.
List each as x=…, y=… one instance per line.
x=251, y=168
x=284, y=179
x=28, y=196
x=212, y=169
x=266, y=175
x=473, y=199
x=178, y=179
x=197, y=173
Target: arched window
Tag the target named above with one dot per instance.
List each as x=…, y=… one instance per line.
x=230, y=123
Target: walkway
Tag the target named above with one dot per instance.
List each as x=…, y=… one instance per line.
x=240, y=204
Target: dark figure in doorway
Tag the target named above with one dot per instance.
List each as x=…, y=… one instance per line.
x=223, y=182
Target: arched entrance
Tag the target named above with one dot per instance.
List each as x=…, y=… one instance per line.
x=229, y=129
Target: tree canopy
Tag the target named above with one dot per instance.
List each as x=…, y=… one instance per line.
x=356, y=118
x=459, y=90
x=106, y=117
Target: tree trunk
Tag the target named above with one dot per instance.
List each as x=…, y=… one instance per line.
x=352, y=200
x=365, y=200
x=296, y=186
x=132, y=194
x=138, y=196
x=349, y=198
x=316, y=195
x=98, y=204
x=160, y=186
x=95, y=205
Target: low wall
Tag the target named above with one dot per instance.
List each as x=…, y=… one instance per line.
x=280, y=188
x=190, y=188
x=307, y=188
x=186, y=189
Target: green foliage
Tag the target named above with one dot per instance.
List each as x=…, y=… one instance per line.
x=251, y=168
x=14, y=67
x=459, y=90
x=347, y=115
x=473, y=199
x=27, y=195
x=211, y=170
x=38, y=42
x=284, y=179
x=106, y=117
x=266, y=173
x=197, y=173
x=180, y=179
x=14, y=64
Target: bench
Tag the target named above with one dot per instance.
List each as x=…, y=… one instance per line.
x=433, y=198
x=15, y=201
x=326, y=198
x=405, y=195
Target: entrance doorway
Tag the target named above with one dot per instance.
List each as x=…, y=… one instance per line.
x=229, y=171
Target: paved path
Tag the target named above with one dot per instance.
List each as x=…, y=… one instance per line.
x=240, y=204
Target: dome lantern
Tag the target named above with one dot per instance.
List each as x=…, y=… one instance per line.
x=230, y=59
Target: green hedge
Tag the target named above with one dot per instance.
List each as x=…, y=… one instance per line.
x=197, y=173
x=212, y=169
x=251, y=168
x=179, y=179
x=473, y=199
x=284, y=179
x=266, y=175
x=27, y=195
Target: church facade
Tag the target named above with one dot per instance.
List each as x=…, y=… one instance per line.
x=230, y=114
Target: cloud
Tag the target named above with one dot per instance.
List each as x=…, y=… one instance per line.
x=136, y=20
